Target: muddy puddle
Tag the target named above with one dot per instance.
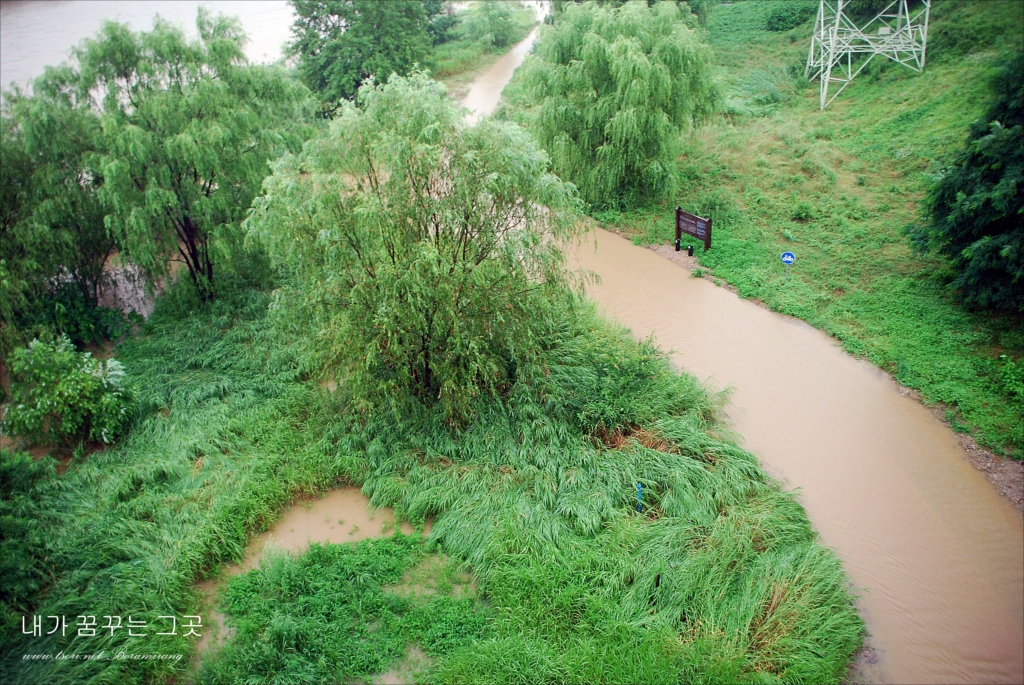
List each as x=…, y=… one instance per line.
x=342, y=515
x=937, y=555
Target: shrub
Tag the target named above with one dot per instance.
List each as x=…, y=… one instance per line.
x=789, y=15
x=60, y=395
x=803, y=211
x=66, y=311
x=976, y=207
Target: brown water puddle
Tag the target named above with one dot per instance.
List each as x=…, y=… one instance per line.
x=938, y=556
x=343, y=515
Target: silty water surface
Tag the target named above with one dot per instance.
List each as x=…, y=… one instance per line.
x=936, y=554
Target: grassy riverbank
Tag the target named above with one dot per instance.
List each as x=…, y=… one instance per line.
x=718, y=578
x=837, y=188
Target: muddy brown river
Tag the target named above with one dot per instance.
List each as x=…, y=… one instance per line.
x=937, y=556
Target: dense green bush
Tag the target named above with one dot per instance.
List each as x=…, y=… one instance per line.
x=66, y=311
x=788, y=15
x=491, y=23
x=976, y=208
x=341, y=43
x=59, y=395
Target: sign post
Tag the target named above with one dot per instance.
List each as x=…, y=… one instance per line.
x=691, y=224
x=787, y=259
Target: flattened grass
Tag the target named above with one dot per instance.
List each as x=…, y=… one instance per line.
x=217, y=451
x=718, y=578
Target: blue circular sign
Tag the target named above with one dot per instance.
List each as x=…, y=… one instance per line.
x=788, y=257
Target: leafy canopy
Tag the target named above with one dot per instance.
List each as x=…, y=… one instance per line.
x=188, y=128
x=423, y=248
x=615, y=87
x=340, y=43
x=54, y=242
x=977, y=206
x=492, y=23
x=60, y=395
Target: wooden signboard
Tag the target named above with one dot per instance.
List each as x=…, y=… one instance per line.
x=691, y=224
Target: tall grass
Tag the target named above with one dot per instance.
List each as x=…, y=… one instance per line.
x=718, y=578
x=217, y=451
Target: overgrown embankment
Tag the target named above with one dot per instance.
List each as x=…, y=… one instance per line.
x=837, y=187
x=718, y=578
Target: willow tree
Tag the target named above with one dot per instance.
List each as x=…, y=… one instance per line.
x=188, y=128
x=53, y=242
x=339, y=43
x=423, y=249
x=614, y=88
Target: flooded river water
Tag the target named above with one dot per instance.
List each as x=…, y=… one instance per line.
x=936, y=554
x=36, y=34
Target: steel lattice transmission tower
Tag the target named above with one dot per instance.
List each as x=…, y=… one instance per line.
x=894, y=33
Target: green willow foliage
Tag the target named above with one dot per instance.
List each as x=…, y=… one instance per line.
x=340, y=43
x=614, y=89
x=424, y=249
x=491, y=23
x=53, y=242
x=977, y=207
x=188, y=128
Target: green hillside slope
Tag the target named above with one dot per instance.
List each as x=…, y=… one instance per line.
x=837, y=187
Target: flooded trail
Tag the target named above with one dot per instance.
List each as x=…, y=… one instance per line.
x=485, y=93
x=937, y=555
